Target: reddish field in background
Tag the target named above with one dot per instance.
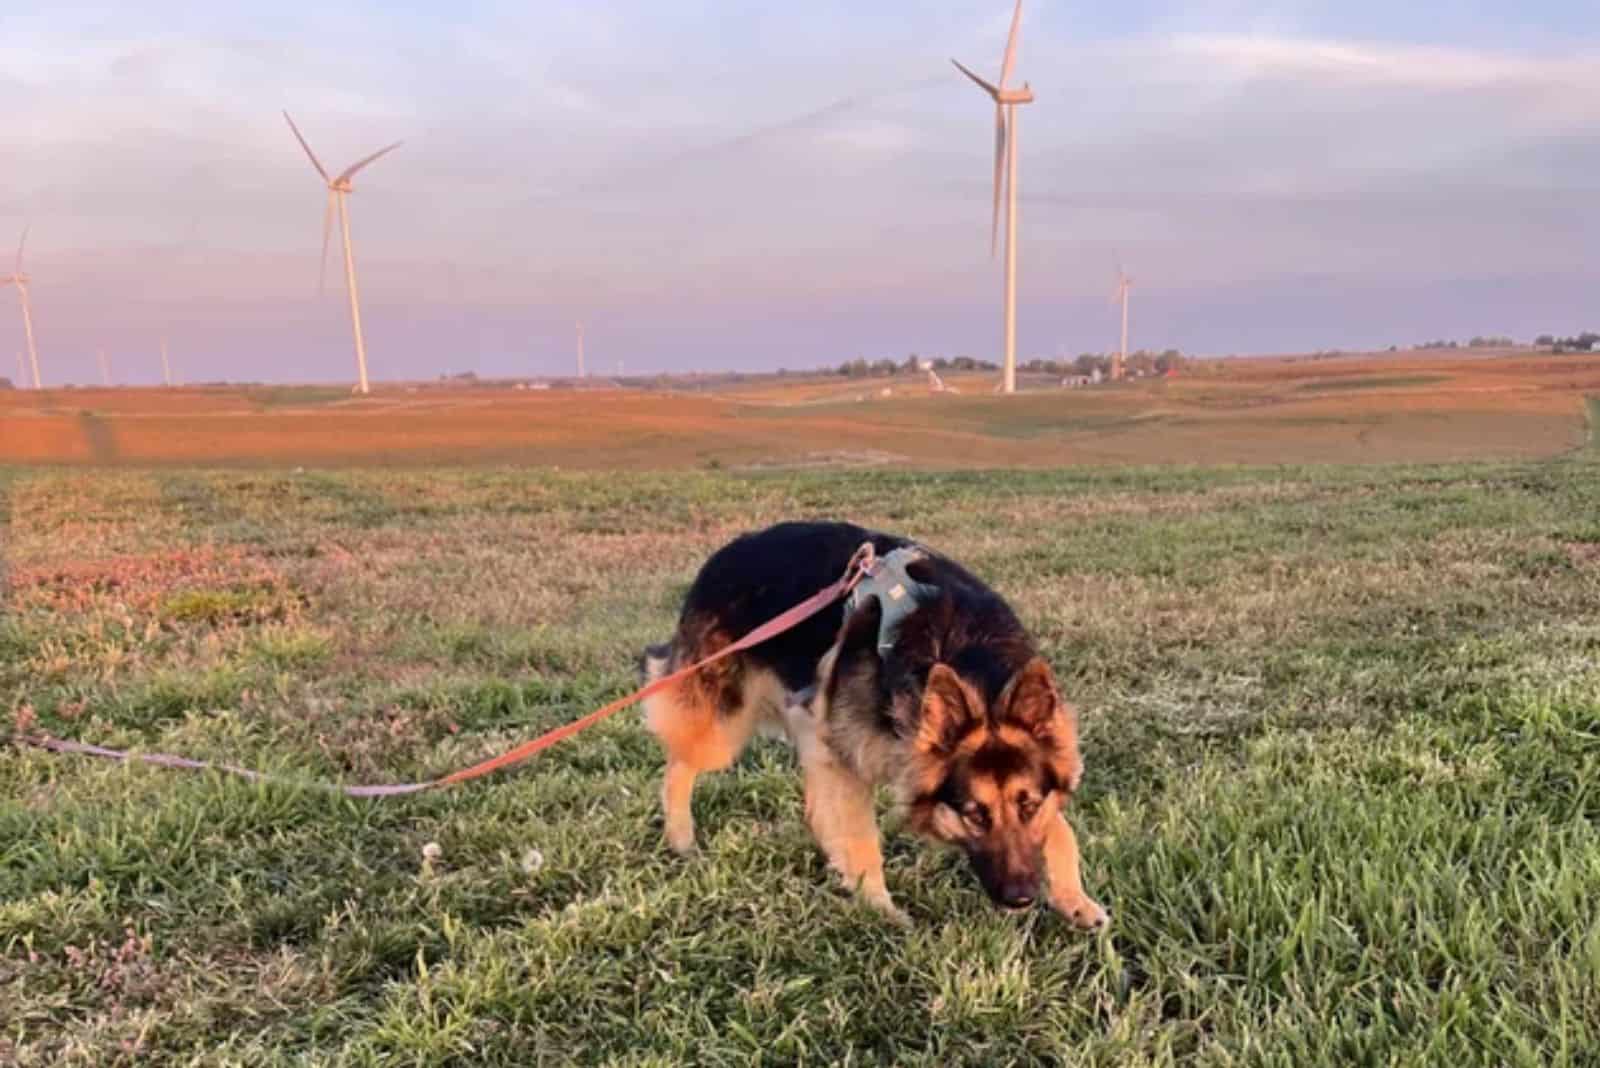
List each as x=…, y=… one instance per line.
x=1405, y=407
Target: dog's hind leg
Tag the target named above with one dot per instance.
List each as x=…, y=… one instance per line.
x=703, y=725
x=677, y=812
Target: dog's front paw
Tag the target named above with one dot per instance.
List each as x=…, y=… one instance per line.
x=891, y=912
x=878, y=898
x=1084, y=913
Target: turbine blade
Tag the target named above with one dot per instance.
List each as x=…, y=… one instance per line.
x=22, y=244
x=985, y=86
x=1011, y=46
x=350, y=171
x=999, y=175
x=310, y=155
x=327, y=232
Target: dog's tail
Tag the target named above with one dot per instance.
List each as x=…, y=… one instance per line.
x=654, y=663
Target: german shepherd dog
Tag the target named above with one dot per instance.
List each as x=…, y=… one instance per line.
x=931, y=686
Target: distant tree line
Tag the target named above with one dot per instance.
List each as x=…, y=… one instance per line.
x=1145, y=362
x=1580, y=343
x=912, y=364
x=1475, y=343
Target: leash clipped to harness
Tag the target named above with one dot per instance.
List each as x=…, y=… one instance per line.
x=898, y=593
x=863, y=563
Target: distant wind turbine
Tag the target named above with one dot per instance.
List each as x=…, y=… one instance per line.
x=105, y=368
x=1124, y=287
x=581, y=372
x=339, y=187
x=19, y=279
x=166, y=363
x=1005, y=176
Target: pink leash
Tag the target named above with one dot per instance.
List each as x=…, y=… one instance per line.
x=862, y=564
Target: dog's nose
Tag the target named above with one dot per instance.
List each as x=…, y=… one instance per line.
x=1016, y=897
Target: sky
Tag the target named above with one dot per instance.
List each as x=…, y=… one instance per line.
x=744, y=185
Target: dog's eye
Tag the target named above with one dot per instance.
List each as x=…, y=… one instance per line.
x=1026, y=807
x=976, y=815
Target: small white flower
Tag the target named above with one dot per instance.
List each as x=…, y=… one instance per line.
x=532, y=861
x=432, y=852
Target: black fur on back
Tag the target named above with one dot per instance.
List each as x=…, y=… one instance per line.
x=757, y=576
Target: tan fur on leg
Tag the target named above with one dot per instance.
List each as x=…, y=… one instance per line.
x=696, y=739
x=840, y=812
x=1066, y=879
x=700, y=735
x=677, y=787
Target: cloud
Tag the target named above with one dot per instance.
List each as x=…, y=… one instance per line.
x=1333, y=62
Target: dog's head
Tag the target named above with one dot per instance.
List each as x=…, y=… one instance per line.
x=990, y=777
x=986, y=776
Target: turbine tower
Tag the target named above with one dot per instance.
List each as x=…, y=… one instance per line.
x=105, y=368
x=340, y=187
x=166, y=364
x=1124, y=287
x=20, y=280
x=581, y=372
x=1005, y=177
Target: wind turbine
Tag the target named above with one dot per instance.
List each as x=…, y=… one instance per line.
x=105, y=368
x=581, y=372
x=20, y=280
x=1124, y=287
x=1005, y=176
x=339, y=187
x=166, y=364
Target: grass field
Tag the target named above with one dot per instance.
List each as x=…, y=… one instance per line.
x=1361, y=409
x=1342, y=728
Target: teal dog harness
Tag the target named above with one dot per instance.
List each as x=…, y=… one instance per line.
x=896, y=591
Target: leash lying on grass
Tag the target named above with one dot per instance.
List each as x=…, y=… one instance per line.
x=862, y=565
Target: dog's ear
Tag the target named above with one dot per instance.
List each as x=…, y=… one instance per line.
x=853, y=679
x=1031, y=701
x=949, y=711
